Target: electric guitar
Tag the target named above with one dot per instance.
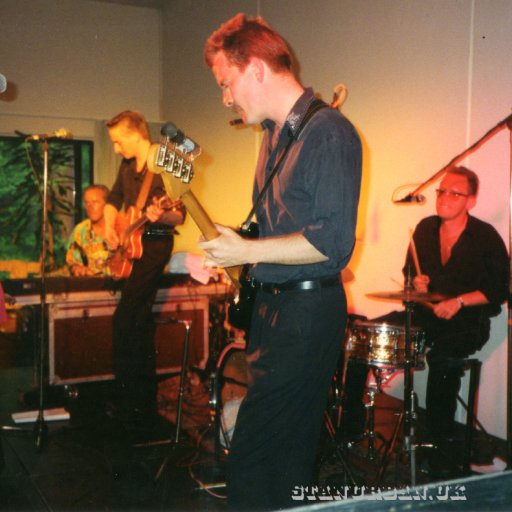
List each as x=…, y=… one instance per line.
x=129, y=228
x=174, y=164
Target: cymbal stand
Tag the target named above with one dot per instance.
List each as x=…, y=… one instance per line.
x=408, y=443
x=181, y=392
x=331, y=431
x=370, y=433
x=407, y=414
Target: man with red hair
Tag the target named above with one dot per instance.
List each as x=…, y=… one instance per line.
x=307, y=219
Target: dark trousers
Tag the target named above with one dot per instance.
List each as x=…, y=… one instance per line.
x=133, y=327
x=294, y=345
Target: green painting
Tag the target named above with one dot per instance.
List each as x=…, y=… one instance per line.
x=21, y=197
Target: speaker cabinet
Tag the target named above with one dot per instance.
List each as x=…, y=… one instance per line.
x=80, y=338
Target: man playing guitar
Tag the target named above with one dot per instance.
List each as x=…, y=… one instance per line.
x=133, y=351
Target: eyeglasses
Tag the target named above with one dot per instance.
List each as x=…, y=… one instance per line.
x=450, y=193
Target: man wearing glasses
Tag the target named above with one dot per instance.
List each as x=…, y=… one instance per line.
x=466, y=260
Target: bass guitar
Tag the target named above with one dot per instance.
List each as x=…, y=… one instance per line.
x=173, y=161
x=129, y=228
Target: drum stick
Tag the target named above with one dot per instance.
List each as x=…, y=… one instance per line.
x=414, y=254
x=417, y=265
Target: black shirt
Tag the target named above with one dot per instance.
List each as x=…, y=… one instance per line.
x=478, y=261
x=127, y=186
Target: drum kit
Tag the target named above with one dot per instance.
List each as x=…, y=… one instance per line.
x=385, y=347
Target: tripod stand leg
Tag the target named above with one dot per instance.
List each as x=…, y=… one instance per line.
x=181, y=393
x=390, y=449
x=349, y=477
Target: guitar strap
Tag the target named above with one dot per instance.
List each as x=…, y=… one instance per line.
x=144, y=190
x=314, y=107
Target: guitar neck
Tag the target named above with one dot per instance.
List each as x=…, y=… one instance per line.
x=207, y=228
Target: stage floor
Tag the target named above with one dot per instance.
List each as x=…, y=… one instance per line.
x=93, y=462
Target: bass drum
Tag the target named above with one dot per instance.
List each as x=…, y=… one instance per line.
x=227, y=390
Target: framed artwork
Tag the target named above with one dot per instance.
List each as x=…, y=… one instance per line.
x=70, y=170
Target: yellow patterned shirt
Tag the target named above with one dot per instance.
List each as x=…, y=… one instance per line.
x=88, y=249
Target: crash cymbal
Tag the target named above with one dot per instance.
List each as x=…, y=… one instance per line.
x=408, y=296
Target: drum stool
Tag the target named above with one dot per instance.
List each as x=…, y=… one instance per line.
x=473, y=366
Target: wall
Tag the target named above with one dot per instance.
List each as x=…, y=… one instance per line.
x=73, y=63
x=426, y=79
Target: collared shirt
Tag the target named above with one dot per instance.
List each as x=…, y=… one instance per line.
x=478, y=261
x=88, y=249
x=315, y=192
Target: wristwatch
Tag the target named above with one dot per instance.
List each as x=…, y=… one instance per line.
x=460, y=301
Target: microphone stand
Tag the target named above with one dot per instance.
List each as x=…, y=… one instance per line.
x=410, y=197
x=40, y=427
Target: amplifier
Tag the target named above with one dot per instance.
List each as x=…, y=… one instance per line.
x=80, y=338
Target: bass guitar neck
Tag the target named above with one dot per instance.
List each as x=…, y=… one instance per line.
x=208, y=230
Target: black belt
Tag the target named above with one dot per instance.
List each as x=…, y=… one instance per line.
x=312, y=284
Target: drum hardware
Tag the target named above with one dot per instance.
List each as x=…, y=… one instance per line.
x=382, y=345
x=181, y=391
x=349, y=479
x=409, y=297
x=370, y=432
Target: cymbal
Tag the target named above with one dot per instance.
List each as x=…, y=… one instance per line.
x=408, y=296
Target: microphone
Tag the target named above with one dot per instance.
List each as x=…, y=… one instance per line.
x=3, y=83
x=179, y=138
x=410, y=199
x=62, y=133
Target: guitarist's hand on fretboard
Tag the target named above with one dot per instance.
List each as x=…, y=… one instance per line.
x=165, y=210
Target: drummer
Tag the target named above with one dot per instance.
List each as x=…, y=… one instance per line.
x=465, y=259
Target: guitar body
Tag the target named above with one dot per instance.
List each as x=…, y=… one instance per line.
x=240, y=308
x=120, y=267
x=129, y=228
x=130, y=233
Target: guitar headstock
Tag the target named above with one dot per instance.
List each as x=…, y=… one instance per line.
x=174, y=164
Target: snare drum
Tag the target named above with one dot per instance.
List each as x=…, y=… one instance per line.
x=383, y=345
